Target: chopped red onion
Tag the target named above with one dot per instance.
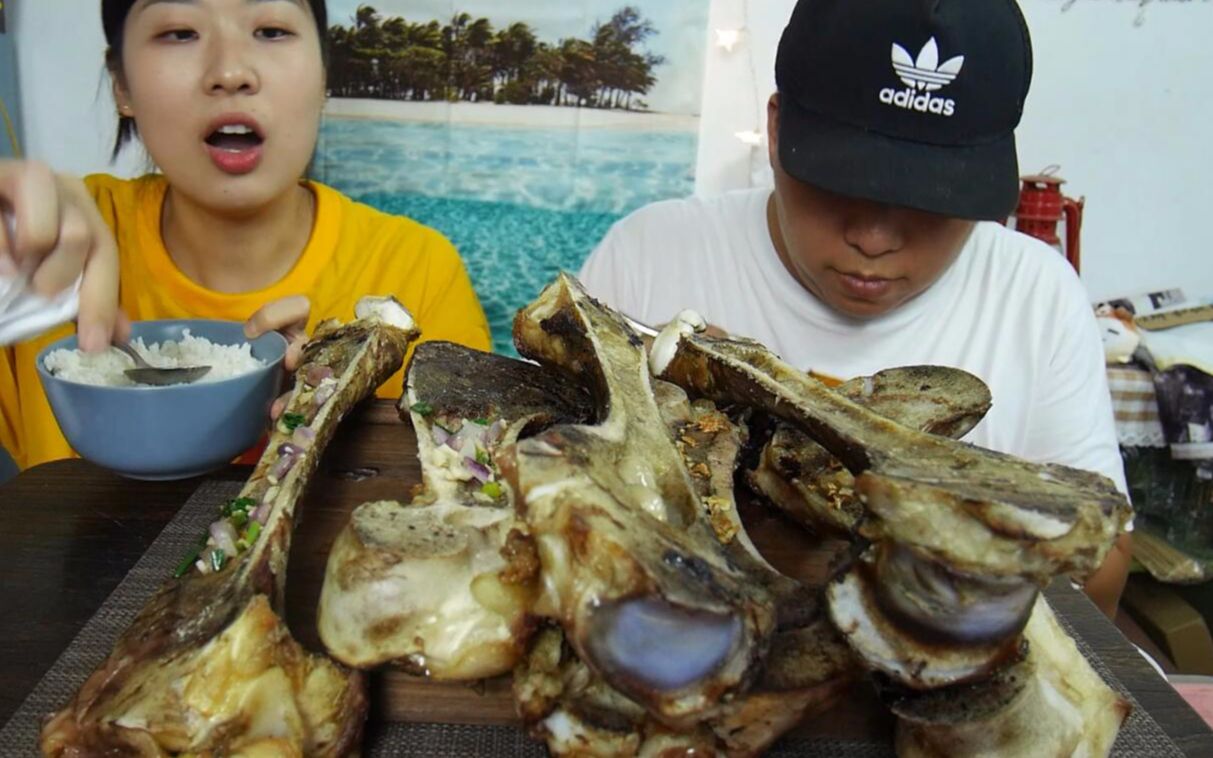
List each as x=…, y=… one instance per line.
x=303, y=437
x=317, y=374
x=287, y=448
x=261, y=514
x=482, y=472
x=323, y=394
x=225, y=536
x=468, y=432
x=441, y=436
x=281, y=467
x=494, y=431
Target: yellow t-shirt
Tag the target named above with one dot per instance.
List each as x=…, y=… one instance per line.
x=354, y=250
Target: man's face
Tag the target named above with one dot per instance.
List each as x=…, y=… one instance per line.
x=859, y=257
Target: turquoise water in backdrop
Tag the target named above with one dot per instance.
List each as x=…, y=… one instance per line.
x=520, y=204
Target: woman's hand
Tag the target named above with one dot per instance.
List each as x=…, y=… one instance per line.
x=289, y=316
x=55, y=235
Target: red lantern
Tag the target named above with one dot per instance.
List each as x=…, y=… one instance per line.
x=1041, y=206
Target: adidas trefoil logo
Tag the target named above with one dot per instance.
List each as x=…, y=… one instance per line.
x=922, y=77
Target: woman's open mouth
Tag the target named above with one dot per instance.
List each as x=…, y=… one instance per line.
x=235, y=148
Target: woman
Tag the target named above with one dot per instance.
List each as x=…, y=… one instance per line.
x=226, y=95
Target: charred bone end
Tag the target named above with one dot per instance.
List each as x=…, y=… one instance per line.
x=659, y=646
x=926, y=598
x=385, y=310
x=961, y=703
x=904, y=654
x=417, y=586
x=1052, y=704
x=665, y=344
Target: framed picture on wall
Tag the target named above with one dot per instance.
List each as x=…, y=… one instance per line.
x=521, y=129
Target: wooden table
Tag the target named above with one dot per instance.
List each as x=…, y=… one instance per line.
x=70, y=531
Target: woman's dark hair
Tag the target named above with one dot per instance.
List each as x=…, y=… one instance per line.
x=113, y=20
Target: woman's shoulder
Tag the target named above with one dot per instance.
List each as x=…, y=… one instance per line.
x=366, y=222
x=365, y=237
x=1016, y=270
x=108, y=185
x=117, y=184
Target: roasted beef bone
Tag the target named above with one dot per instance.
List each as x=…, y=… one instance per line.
x=972, y=509
x=632, y=570
x=567, y=704
x=810, y=665
x=443, y=586
x=813, y=487
x=1051, y=703
x=710, y=444
x=208, y=666
x=956, y=629
x=961, y=537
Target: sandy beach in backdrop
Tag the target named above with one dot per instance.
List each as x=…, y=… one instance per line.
x=491, y=114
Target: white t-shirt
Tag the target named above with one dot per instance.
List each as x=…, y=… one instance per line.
x=1009, y=310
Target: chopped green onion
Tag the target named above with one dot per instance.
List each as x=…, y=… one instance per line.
x=188, y=561
x=241, y=546
x=422, y=408
x=218, y=558
x=239, y=518
x=292, y=421
x=481, y=421
x=252, y=533
x=492, y=489
x=482, y=458
x=238, y=504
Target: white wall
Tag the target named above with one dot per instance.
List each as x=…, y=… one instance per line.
x=10, y=99
x=68, y=113
x=1126, y=108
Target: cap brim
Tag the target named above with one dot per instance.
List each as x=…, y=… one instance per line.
x=979, y=182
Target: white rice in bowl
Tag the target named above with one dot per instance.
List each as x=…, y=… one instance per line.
x=108, y=367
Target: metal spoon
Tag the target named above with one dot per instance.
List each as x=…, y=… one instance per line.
x=145, y=373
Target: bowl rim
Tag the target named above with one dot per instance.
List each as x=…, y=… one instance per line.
x=44, y=374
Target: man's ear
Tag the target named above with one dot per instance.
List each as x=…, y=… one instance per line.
x=773, y=130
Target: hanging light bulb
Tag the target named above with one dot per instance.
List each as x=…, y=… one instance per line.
x=728, y=38
x=753, y=137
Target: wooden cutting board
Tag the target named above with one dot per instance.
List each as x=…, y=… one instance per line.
x=375, y=459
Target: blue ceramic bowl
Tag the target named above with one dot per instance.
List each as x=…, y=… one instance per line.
x=169, y=432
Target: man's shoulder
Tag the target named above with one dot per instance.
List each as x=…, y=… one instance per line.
x=998, y=244
x=665, y=216
x=1013, y=273
x=1002, y=257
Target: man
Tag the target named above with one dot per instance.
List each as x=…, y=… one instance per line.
x=891, y=138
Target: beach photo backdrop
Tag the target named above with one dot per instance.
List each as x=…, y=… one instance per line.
x=519, y=129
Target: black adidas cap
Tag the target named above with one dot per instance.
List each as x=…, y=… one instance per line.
x=907, y=102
